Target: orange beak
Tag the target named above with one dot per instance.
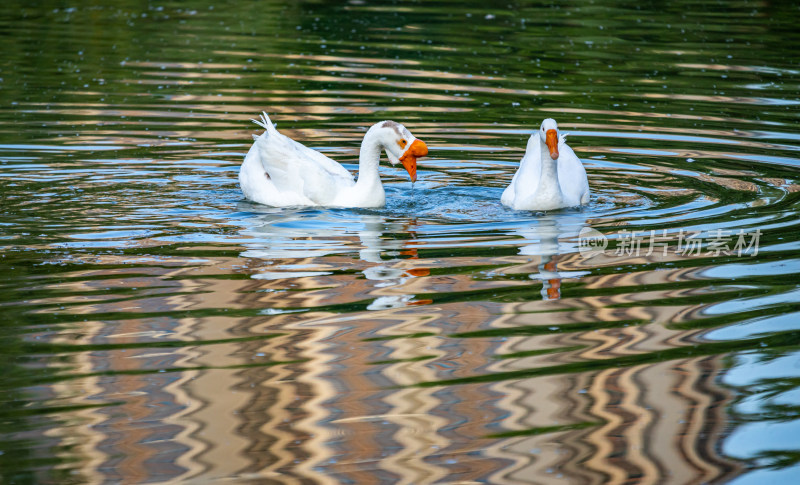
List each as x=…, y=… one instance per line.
x=552, y=143
x=409, y=159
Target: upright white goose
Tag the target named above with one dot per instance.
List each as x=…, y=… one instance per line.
x=550, y=175
x=280, y=172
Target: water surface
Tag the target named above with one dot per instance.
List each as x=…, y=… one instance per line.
x=158, y=327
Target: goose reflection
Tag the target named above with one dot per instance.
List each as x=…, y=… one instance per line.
x=294, y=244
x=293, y=234
x=386, y=274
x=549, y=237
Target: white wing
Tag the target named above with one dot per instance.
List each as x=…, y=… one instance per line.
x=571, y=175
x=293, y=167
x=526, y=179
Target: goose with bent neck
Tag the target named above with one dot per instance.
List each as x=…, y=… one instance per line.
x=550, y=175
x=368, y=188
x=281, y=172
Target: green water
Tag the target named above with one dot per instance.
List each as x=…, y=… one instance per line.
x=158, y=327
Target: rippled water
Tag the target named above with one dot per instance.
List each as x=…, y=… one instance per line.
x=158, y=327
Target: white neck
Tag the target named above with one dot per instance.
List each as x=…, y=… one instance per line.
x=369, y=158
x=549, y=166
x=549, y=188
x=368, y=185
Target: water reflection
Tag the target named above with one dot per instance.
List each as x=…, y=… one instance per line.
x=551, y=236
x=158, y=328
x=317, y=396
x=339, y=346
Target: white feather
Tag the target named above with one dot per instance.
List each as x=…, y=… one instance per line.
x=566, y=186
x=281, y=172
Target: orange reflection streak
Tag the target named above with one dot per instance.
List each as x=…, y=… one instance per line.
x=324, y=58
x=629, y=116
x=712, y=98
x=401, y=72
x=430, y=86
x=720, y=67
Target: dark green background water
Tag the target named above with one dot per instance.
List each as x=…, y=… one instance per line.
x=157, y=327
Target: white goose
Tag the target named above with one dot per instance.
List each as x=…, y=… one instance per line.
x=280, y=172
x=550, y=175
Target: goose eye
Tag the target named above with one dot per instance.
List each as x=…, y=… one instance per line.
x=402, y=143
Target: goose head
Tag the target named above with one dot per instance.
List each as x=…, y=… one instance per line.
x=549, y=135
x=401, y=146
